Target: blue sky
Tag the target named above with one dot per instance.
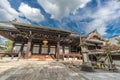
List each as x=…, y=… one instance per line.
x=80, y=16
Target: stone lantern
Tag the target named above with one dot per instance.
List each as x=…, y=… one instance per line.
x=86, y=66
x=84, y=52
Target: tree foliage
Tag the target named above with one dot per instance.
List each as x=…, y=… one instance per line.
x=8, y=45
x=118, y=41
x=0, y=46
x=107, y=48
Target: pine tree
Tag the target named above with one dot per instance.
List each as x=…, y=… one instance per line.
x=8, y=45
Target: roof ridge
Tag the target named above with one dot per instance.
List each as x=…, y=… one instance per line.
x=38, y=26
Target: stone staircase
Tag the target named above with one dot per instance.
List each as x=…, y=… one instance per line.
x=42, y=57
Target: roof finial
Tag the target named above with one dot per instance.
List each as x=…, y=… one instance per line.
x=95, y=30
x=14, y=20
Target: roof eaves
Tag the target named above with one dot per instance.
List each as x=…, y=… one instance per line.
x=30, y=25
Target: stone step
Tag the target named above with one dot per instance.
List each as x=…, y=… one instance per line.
x=41, y=57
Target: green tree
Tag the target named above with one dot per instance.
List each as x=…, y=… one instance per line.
x=1, y=46
x=8, y=45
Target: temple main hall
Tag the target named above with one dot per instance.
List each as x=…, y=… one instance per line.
x=32, y=41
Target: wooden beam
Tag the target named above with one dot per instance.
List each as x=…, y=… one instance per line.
x=6, y=35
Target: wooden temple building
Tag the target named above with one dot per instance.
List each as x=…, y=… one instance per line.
x=31, y=41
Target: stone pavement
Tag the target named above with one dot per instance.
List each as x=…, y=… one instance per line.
x=47, y=70
x=98, y=74
x=38, y=70
x=101, y=76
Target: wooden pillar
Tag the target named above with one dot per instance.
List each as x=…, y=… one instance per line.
x=40, y=47
x=12, y=50
x=21, y=50
x=69, y=49
x=58, y=50
x=63, y=49
x=32, y=45
x=63, y=52
x=48, y=48
x=58, y=47
x=28, y=52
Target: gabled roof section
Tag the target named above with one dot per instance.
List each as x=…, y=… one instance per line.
x=20, y=28
x=6, y=29
x=94, y=33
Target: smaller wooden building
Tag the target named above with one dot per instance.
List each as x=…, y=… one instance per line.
x=95, y=42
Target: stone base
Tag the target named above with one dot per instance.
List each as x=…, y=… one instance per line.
x=87, y=68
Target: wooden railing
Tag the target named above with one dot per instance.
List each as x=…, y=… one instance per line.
x=96, y=51
x=70, y=55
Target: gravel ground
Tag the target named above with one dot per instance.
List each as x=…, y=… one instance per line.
x=51, y=70
x=98, y=74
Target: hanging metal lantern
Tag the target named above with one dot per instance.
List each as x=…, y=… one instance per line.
x=45, y=42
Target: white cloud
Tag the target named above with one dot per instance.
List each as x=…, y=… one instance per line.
x=104, y=15
x=6, y=5
x=60, y=8
x=30, y=13
x=6, y=11
x=96, y=24
x=99, y=19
